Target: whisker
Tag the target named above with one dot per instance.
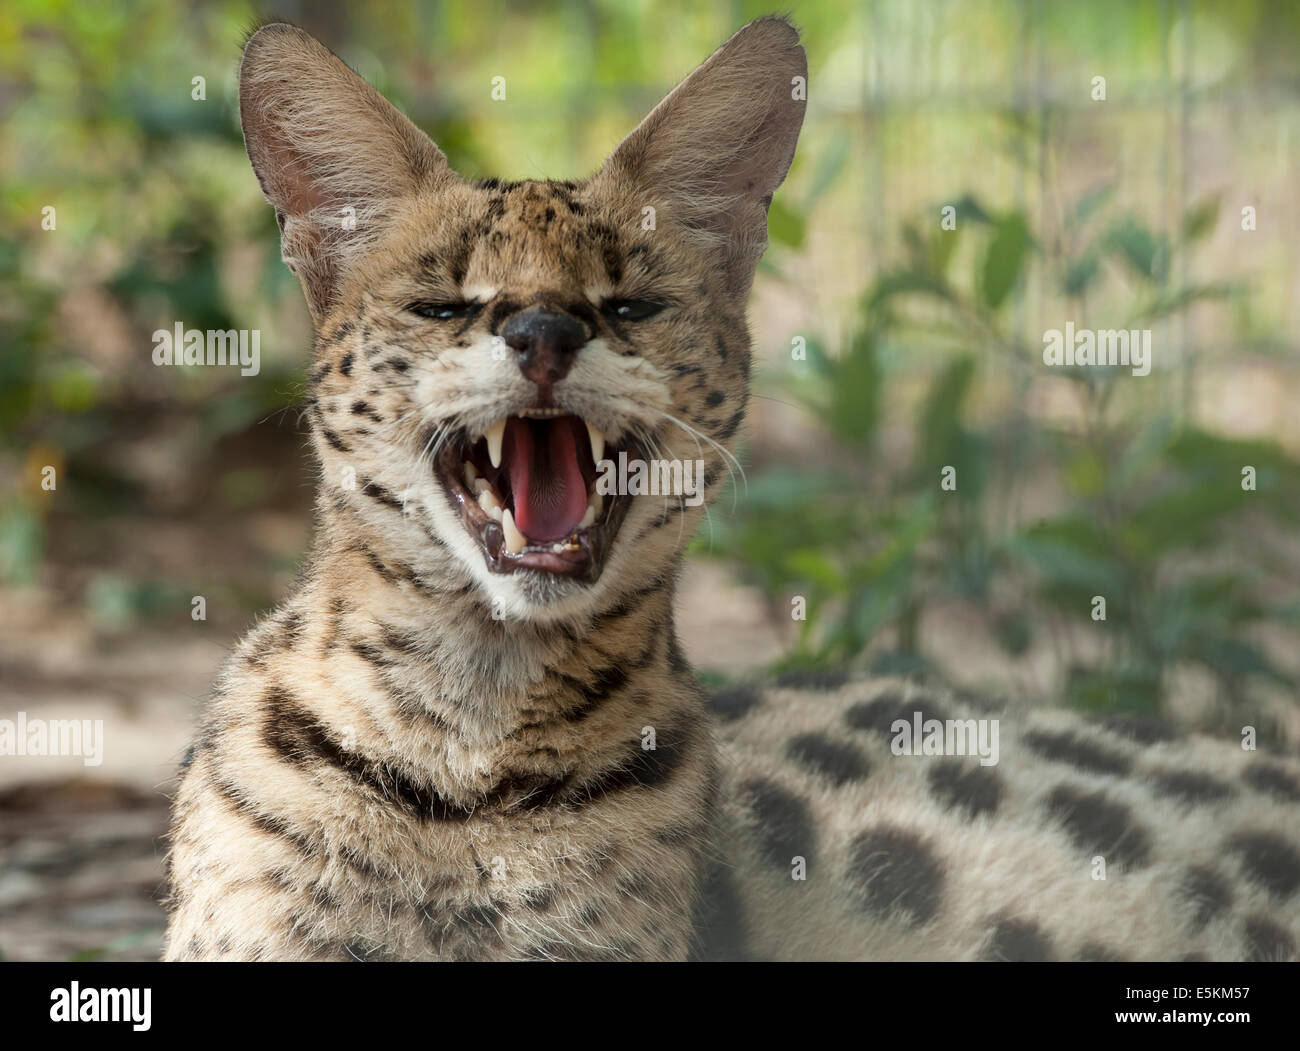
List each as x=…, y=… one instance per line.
x=729, y=458
x=649, y=439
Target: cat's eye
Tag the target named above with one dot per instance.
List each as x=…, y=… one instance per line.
x=630, y=309
x=443, y=311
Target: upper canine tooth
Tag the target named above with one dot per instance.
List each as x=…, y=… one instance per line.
x=515, y=540
x=495, y=435
x=597, y=437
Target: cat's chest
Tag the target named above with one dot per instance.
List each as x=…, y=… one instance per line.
x=518, y=887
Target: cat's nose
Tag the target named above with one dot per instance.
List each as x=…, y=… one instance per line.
x=545, y=344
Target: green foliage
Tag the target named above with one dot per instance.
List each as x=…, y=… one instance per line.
x=1148, y=506
x=1003, y=259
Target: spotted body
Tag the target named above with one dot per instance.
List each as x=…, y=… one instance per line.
x=470, y=731
x=1115, y=838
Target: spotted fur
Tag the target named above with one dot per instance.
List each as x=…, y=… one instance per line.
x=916, y=857
x=416, y=757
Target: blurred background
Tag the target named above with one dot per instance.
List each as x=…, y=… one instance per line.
x=887, y=349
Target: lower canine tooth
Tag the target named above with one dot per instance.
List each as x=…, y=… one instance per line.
x=482, y=485
x=487, y=500
x=469, y=473
x=515, y=540
x=588, y=517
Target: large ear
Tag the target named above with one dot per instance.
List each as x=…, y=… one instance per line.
x=720, y=144
x=331, y=153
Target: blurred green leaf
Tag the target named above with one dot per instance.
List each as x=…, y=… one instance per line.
x=1173, y=300
x=1201, y=219
x=969, y=207
x=1144, y=252
x=1003, y=260
x=1089, y=203
x=940, y=418
x=905, y=282
x=942, y=245
x=1237, y=658
x=784, y=225
x=1133, y=689
x=1080, y=275
x=817, y=567
x=1183, y=517
x=73, y=388
x=855, y=396
x=831, y=166
x=21, y=543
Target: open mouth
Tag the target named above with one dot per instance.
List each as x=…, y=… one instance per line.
x=526, y=490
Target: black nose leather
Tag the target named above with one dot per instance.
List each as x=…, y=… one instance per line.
x=545, y=344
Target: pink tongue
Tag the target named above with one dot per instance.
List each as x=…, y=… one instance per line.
x=549, y=492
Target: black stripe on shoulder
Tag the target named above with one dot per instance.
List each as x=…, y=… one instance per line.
x=627, y=604
x=263, y=822
x=299, y=738
x=608, y=681
x=645, y=767
x=637, y=768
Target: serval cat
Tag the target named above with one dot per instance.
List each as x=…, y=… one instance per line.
x=470, y=732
